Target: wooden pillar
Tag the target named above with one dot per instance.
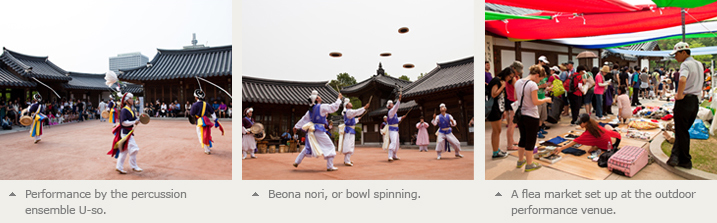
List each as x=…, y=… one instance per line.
x=462, y=119
x=570, y=53
x=518, y=52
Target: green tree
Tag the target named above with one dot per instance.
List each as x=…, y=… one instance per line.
x=342, y=80
x=404, y=77
x=419, y=76
x=701, y=58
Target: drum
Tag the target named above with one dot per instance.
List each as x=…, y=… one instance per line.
x=272, y=149
x=144, y=118
x=25, y=120
x=258, y=130
x=283, y=148
x=105, y=114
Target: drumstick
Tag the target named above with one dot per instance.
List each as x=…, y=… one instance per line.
x=366, y=111
x=409, y=111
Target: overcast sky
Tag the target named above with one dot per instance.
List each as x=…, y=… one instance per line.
x=291, y=40
x=80, y=36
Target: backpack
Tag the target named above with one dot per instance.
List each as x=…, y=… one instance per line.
x=569, y=83
x=558, y=88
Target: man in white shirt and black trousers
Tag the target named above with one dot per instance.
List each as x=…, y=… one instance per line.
x=686, y=104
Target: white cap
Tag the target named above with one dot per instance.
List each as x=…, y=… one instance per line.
x=390, y=102
x=544, y=59
x=313, y=96
x=385, y=116
x=555, y=68
x=442, y=105
x=249, y=110
x=346, y=102
x=680, y=47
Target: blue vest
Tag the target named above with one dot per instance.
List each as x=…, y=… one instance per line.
x=318, y=120
x=349, y=122
x=444, y=122
x=393, y=121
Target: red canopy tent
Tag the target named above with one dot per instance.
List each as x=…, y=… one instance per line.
x=566, y=25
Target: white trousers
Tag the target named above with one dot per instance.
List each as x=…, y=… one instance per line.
x=38, y=137
x=132, y=150
x=452, y=140
x=302, y=154
x=199, y=134
x=393, y=146
x=347, y=157
x=248, y=145
x=423, y=148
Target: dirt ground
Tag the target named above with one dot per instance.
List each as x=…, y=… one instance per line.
x=370, y=163
x=169, y=150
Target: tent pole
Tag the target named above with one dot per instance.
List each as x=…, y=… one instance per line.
x=683, y=24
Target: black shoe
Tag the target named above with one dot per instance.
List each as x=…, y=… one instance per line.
x=672, y=162
x=685, y=165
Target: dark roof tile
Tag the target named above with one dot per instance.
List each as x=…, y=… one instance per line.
x=445, y=76
x=380, y=79
x=173, y=64
x=41, y=67
x=8, y=79
x=259, y=90
x=403, y=107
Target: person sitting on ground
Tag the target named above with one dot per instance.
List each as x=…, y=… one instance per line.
x=595, y=136
x=222, y=110
x=6, y=123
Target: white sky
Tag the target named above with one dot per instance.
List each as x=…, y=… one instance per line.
x=291, y=40
x=80, y=36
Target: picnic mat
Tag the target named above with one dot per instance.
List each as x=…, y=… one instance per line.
x=584, y=167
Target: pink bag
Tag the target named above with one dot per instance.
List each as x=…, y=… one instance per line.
x=628, y=160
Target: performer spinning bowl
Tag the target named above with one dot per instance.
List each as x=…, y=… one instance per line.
x=35, y=113
x=123, y=143
x=445, y=121
x=318, y=142
x=203, y=112
x=348, y=134
x=393, y=121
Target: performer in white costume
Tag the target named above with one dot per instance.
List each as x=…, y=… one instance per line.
x=318, y=142
x=347, y=132
x=445, y=121
x=248, y=142
x=422, y=139
x=393, y=121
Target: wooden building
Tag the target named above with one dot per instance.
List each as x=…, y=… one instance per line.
x=450, y=83
x=171, y=74
x=382, y=88
x=279, y=104
x=23, y=68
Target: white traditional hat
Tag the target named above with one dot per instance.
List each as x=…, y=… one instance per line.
x=389, y=102
x=313, y=96
x=442, y=106
x=248, y=110
x=199, y=94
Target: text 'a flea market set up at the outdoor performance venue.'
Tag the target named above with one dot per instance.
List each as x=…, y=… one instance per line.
x=614, y=80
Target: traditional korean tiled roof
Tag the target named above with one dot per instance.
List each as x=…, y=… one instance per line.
x=85, y=81
x=403, y=107
x=259, y=90
x=134, y=88
x=32, y=66
x=187, y=63
x=7, y=79
x=378, y=78
x=445, y=76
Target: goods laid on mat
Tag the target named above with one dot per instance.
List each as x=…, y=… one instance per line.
x=643, y=124
x=628, y=160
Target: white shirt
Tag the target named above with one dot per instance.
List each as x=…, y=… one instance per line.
x=693, y=70
x=528, y=109
x=325, y=110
